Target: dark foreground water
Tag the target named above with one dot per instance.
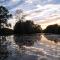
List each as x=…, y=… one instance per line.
x=32, y=47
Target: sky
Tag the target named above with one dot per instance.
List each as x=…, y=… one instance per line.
x=42, y=12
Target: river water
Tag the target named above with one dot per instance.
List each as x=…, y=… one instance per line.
x=32, y=47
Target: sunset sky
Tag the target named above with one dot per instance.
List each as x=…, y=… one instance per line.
x=43, y=12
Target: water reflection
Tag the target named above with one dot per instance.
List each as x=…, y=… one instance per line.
x=38, y=45
x=27, y=40
x=32, y=47
x=22, y=53
x=3, y=48
x=55, y=38
x=52, y=43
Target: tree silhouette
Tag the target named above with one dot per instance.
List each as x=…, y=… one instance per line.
x=52, y=29
x=20, y=15
x=4, y=15
x=26, y=27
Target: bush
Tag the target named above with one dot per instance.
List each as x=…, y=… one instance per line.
x=6, y=31
x=55, y=29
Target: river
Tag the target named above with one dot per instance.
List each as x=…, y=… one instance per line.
x=32, y=47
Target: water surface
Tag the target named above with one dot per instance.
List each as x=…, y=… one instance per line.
x=32, y=47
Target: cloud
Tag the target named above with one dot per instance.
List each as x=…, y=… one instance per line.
x=29, y=1
x=27, y=4
x=14, y=0
x=43, y=12
x=11, y=4
x=45, y=15
x=54, y=2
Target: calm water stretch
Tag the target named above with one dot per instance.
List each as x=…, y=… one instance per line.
x=32, y=47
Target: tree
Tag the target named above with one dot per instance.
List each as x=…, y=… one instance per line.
x=55, y=29
x=20, y=15
x=4, y=15
x=37, y=28
x=26, y=27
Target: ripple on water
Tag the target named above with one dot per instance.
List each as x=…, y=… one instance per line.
x=39, y=51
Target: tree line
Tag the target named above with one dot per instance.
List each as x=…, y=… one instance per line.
x=54, y=29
